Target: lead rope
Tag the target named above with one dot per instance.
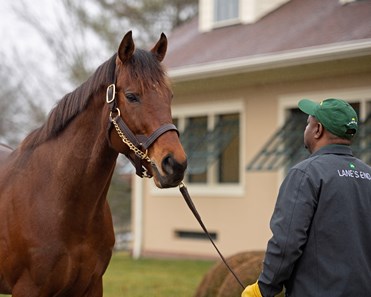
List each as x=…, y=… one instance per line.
x=110, y=97
x=182, y=188
x=192, y=207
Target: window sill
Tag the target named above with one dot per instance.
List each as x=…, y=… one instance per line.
x=204, y=190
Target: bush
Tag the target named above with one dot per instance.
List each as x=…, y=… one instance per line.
x=219, y=281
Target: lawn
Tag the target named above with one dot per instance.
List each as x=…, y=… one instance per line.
x=152, y=277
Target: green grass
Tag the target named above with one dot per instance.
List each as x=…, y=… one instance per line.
x=152, y=277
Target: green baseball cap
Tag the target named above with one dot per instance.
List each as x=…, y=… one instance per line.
x=336, y=115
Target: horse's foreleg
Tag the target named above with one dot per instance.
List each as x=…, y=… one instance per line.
x=25, y=287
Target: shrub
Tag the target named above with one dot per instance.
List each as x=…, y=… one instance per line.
x=219, y=282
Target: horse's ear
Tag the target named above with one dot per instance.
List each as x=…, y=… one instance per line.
x=160, y=48
x=126, y=48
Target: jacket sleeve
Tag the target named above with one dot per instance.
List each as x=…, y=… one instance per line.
x=290, y=222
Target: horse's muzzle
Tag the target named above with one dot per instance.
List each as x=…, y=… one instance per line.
x=172, y=172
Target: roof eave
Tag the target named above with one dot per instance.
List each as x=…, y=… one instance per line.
x=307, y=55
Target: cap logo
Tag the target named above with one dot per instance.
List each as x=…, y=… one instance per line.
x=353, y=121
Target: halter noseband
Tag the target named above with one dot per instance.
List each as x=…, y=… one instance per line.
x=138, y=144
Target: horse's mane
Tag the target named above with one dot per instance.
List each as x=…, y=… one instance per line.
x=146, y=71
x=143, y=68
x=71, y=105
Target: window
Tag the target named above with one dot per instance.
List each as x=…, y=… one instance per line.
x=193, y=139
x=285, y=148
x=229, y=143
x=182, y=234
x=362, y=143
x=212, y=145
x=225, y=10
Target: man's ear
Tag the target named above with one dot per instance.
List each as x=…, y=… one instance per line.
x=319, y=130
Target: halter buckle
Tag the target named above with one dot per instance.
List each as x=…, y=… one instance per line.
x=110, y=93
x=111, y=118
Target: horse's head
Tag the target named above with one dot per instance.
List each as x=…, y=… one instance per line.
x=143, y=99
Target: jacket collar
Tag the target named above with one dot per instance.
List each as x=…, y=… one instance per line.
x=337, y=149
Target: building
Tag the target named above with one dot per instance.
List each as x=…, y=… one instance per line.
x=238, y=71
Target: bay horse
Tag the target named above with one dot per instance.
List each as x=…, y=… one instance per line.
x=56, y=232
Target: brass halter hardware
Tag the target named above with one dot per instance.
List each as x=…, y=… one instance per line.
x=111, y=93
x=139, y=147
x=132, y=147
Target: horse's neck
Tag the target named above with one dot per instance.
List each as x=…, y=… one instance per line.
x=79, y=159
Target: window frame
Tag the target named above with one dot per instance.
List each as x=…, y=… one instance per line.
x=212, y=187
x=207, y=139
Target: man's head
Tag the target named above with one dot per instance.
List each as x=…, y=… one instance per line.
x=331, y=121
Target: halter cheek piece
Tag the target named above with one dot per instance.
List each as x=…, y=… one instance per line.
x=138, y=144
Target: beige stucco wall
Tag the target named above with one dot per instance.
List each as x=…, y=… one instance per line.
x=241, y=219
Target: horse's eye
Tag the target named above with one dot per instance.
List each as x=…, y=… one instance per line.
x=132, y=97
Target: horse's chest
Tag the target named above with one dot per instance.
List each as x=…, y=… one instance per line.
x=74, y=269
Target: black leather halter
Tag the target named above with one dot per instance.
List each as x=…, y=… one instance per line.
x=138, y=144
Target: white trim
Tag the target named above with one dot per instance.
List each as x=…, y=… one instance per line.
x=138, y=217
x=204, y=190
x=253, y=10
x=225, y=23
x=361, y=95
x=206, y=13
x=345, y=2
x=207, y=108
x=271, y=61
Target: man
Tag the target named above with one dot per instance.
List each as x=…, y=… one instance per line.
x=321, y=225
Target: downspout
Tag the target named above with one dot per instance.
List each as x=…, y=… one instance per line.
x=138, y=217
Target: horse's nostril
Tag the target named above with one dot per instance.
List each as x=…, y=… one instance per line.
x=171, y=167
x=168, y=164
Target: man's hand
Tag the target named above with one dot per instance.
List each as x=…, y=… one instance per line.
x=252, y=291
